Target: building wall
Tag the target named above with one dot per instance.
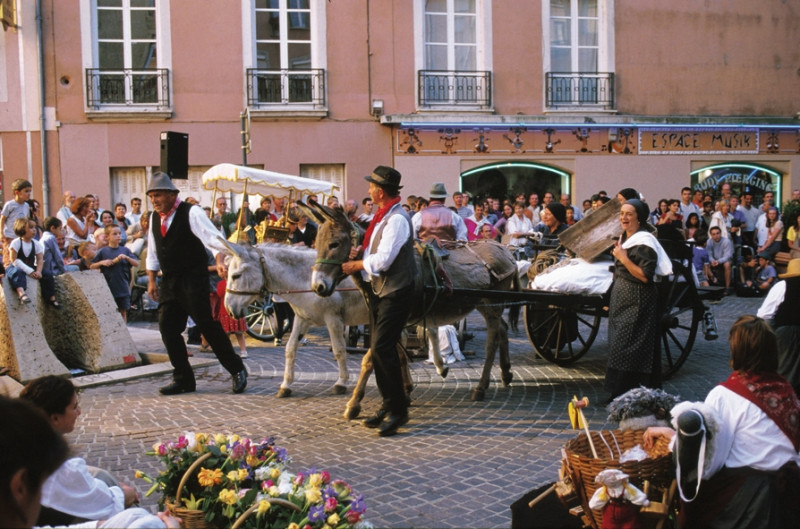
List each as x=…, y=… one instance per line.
x=675, y=61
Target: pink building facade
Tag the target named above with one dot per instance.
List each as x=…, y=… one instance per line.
x=492, y=97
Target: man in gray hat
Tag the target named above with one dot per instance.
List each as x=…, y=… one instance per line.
x=438, y=221
x=388, y=264
x=177, y=238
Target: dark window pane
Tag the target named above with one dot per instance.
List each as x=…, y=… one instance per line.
x=436, y=6
x=268, y=56
x=143, y=25
x=110, y=55
x=143, y=55
x=298, y=4
x=109, y=3
x=299, y=26
x=109, y=24
x=145, y=88
x=143, y=3
x=299, y=56
x=269, y=88
x=267, y=25
x=560, y=60
x=111, y=88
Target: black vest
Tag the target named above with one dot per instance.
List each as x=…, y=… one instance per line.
x=787, y=313
x=29, y=259
x=180, y=251
x=403, y=270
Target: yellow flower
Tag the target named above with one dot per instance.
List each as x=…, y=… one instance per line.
x=138, y=474
x=315, y=480
x=228, y=497
x=333, y=519
x=220, y=439
x=208, y=477
x=263, y=507
x=275, y=473
x=293, y=526
x=313, y=495
x=274, y=491
x=234, y=438
x=233, y=475
x=223, y=449
x=252, y=460
x=201, y=438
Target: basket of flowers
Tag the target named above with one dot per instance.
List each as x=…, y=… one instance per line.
x=222, y=482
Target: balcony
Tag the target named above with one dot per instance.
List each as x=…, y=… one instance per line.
x=293, y=92
x=127, y=90
x=569, y=90
x=443, y=89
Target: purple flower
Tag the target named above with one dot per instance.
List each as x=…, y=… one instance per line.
x=316, y=513
x=358, y=505
x=329, y=492
x=281, y=453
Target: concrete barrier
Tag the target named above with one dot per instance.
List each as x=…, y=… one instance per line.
x=87, y=333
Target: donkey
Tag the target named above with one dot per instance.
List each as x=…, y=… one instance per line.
x=482, y=265
x=255, y=270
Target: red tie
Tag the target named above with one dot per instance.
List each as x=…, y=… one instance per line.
x=163, y=228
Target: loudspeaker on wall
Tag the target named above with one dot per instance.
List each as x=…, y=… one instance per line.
x=175, y=155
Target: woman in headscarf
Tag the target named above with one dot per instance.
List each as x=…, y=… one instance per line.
x=634, y=310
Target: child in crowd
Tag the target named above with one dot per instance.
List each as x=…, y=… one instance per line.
x=115, y=261
x=53, y=260
x=700, y=259
x=14, y=209
x=763, y=278
x=27, y=257
x=86, y=252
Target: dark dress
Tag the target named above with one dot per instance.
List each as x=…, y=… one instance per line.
x=633, y=318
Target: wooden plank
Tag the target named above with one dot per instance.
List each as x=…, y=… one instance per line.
x=595, y=233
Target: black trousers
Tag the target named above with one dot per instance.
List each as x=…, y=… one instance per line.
x=387, y=319
x=182, y=295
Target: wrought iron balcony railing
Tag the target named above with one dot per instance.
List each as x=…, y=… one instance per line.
x=442, y=88
x=285, y=88
x=579, y=89
x=146, y=88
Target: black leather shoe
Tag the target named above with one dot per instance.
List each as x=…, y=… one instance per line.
x=176, y=388
x=376, y=420
x=240, y=381
x=392, y=424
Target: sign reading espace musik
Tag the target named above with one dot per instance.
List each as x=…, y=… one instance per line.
x=698, y=141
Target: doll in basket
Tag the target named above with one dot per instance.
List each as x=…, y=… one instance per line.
x=619, y=500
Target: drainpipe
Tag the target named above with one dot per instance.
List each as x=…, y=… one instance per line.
x=42, y=131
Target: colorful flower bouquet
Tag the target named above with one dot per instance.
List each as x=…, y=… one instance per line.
x=246, y=482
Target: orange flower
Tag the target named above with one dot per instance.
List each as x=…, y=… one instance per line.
x=208, y=477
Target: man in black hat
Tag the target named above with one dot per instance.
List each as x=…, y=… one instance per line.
x=178, y=235
x=388, y=264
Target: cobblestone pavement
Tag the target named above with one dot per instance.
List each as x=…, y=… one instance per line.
x=457, y=463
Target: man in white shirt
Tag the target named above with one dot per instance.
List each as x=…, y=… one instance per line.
x=687, y=206
x=64, y=211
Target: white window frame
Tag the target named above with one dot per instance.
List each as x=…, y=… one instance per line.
x=319, y=59
x=483, y=51
x=90, y=59
x=605, y=42
x=333, y=173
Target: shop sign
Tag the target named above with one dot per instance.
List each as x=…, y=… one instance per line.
x=698, y=141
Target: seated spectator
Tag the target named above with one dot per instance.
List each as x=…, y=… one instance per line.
x=30, y=451
x=265, y=211
x=68, y=253
x=700, y=259
x=692, y=225
x=774, y=239
x=720, y=251
x=518, y=226
x=763, y=278
x=554, y=222
x=487, y=233
x=747, y=274
x=571, y=215
x=672, y=216
x=100, y=238
x=723, y=219
x=137, y=235
x=301, y=233
x=27, y=258
x=750, y=466
x=73, y=494
x=505, y=214
x=86, y=252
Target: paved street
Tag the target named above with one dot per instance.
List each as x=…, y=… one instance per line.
x=457, y=464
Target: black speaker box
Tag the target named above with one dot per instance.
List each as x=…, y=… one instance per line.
x=175, y=155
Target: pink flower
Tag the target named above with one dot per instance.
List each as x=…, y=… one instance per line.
x=182, y=442
x=352, y=517
x=326, y=476
x=162, y=449
x=298, y=479
x=331, y=504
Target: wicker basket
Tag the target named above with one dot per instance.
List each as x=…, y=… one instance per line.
x=190, y=518
x=657, y=470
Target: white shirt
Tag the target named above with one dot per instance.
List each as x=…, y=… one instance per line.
x=750, y=438
x=535, y=214
x=762, y=232
x=71, y=489
x=687, y=210
x=201, y=227
x=516, y=225
x=751, y=214
x=773, y=300
x=18, y=244
x=133, y=218
x=395, y=235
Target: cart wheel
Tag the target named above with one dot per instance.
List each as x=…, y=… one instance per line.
x=260, y=319
x=683, y=311
x=561, y=334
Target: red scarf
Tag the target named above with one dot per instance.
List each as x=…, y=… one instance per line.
x=774, y=396
x=376, y=220
x=167, y=214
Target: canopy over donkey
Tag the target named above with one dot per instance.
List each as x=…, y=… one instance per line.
x=480, y=265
